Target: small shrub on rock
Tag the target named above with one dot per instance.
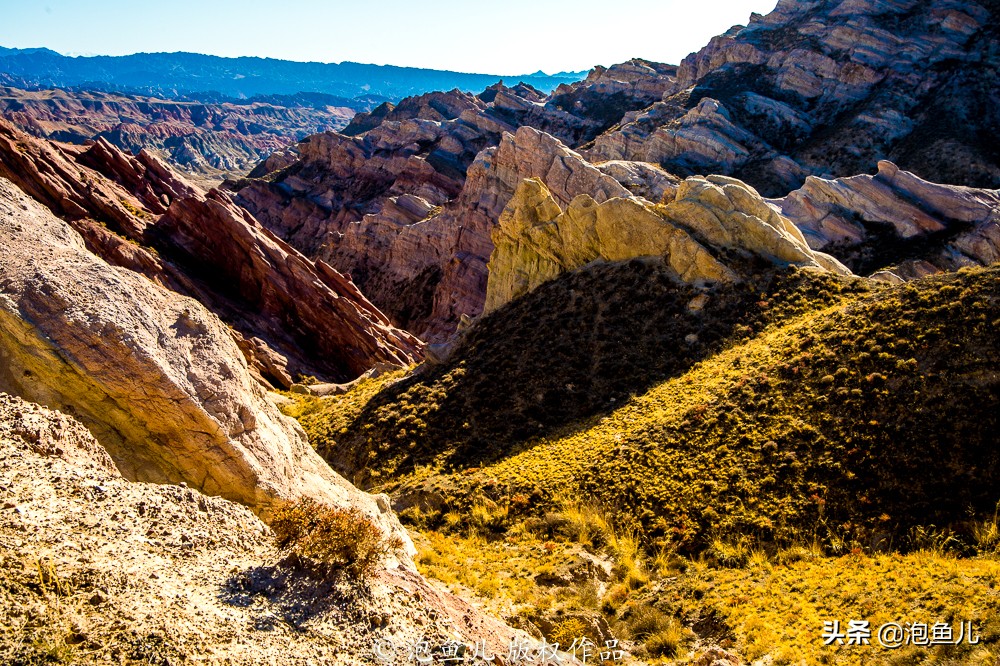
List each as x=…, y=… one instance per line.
x=338, y=538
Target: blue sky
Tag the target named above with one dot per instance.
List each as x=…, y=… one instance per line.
x=506, y=37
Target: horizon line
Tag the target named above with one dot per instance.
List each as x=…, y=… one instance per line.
x=538, y=74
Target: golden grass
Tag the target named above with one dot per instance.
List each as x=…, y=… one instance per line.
x=828, y=462
x=779, y=610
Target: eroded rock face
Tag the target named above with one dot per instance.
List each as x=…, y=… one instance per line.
x=421, y=256
x=462, y=229
x=405, y=204
x=154, y=375
x=606, y=95
x=824, y=88
x=337, y=180
x=438, y=106
x=537, y=240
x=176, y=567
x=895, y=219
x=334, y=323
x=290, y=315
x=53, y=434
x=828, y=88
x=204, y=139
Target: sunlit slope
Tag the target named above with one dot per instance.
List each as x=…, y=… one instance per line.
x=808, y=408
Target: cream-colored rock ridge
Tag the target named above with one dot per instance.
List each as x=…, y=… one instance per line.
x=154, y=375
x=536, y=239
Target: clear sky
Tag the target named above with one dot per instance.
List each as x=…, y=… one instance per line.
x=505, y=37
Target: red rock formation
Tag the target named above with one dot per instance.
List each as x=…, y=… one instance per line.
x=204, y=139
x=290, y=315
x=315, y=311
x=421, y=256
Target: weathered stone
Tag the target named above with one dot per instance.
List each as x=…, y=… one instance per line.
x=405, y=204
x=826, y=89
x=290, y=316
x=536, y=240
x=154, y=375
x=840, y=214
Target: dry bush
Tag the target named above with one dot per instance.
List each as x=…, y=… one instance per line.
x=343, y=539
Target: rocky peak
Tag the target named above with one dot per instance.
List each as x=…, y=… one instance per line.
x=133, y=212
x=636, y=76
x=362, y=199
x=522, y=90
x=437, y=106
x=829, y=88
x=710, y=221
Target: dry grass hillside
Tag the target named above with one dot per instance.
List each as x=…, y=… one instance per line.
x=739, y=451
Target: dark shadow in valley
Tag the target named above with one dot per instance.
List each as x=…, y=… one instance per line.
x=574, y=348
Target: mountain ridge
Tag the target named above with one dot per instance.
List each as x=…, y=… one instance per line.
x=243, y=76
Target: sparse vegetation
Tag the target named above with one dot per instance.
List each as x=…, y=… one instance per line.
x=832, y=435
x=577, y=347
x=135, y=210
x=332, y=537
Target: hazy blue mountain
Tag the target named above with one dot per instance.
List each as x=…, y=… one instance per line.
x=178, y=74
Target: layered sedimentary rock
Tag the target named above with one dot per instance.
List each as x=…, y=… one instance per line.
x=828, y=87
x=207, y=139
x=420, y=148
x=420, y=254
x=400, y=202
x=290, y=315
x=607, y=94
x=825, y=88
x=438, y=106
x=897, y=220
x=154, y=375
x=537, y=240
x=636, y=77
x=333, y=322
x=464, y=225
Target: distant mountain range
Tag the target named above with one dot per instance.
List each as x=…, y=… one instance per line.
x=175, y=75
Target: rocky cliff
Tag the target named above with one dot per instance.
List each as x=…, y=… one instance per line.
x=407, y=203
x=420, y=253
x=290, y=315
x=898, y=221
x=154, y=375
x=387, y=202
x=206, y=140
x=536, y=240
x=829, y=87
